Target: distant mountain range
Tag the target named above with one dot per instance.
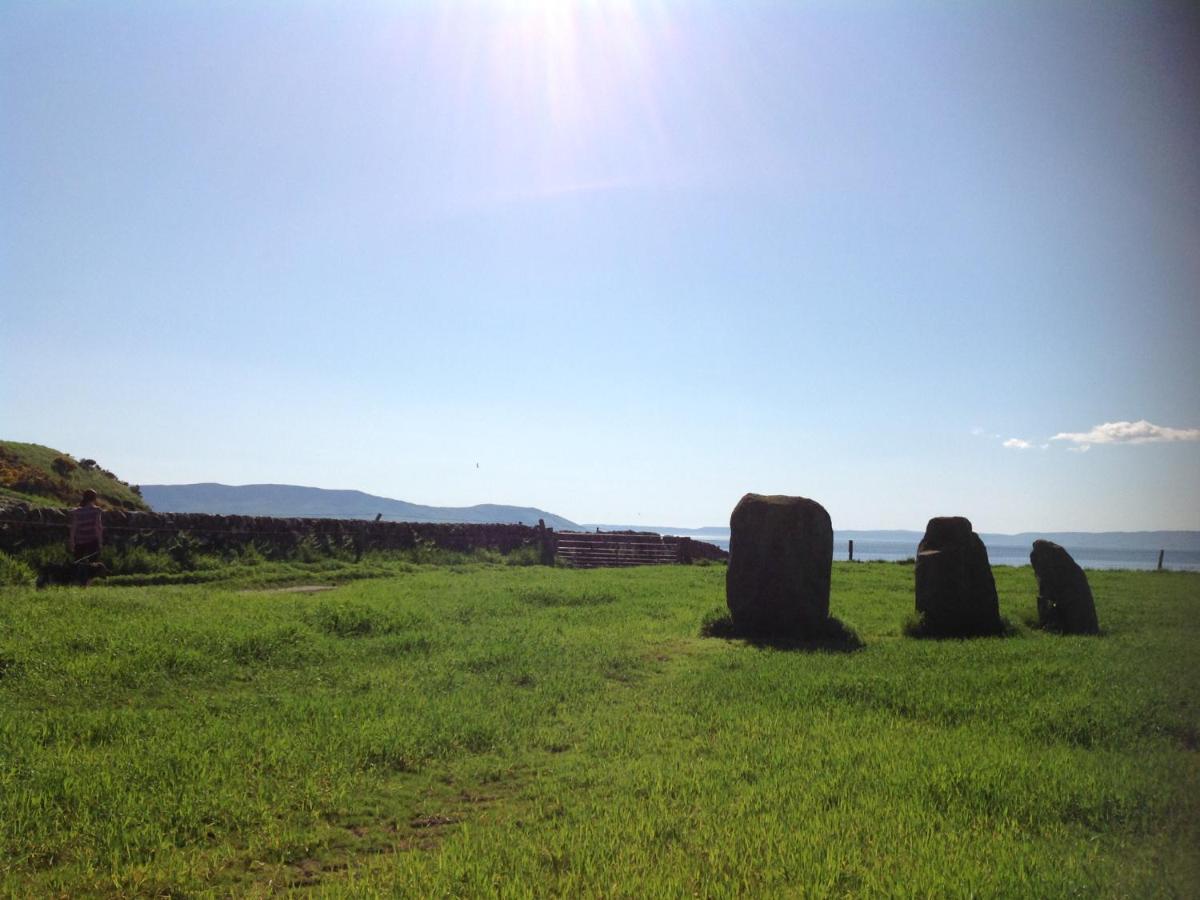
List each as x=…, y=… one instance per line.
x=293, y=501
x=1114, y=540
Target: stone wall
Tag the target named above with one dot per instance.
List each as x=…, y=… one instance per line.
x=691, y=549
x=23, y=526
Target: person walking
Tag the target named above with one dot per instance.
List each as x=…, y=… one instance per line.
x=86, y=534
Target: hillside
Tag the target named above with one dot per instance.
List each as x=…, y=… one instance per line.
x=43, y=476
x=289, y=500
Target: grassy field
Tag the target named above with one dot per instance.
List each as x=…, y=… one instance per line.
x=480, y=730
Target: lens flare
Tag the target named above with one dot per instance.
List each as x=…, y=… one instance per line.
x=566, y=94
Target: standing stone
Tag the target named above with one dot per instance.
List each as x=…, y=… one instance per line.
x=1064, y=596
x=780, y=556
x=956, y=593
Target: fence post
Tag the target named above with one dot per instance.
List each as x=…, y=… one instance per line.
x=852, y=550
x=1160, y=558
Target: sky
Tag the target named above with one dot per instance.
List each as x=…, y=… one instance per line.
x=622, y=260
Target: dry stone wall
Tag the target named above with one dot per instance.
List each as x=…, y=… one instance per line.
x=23, y=526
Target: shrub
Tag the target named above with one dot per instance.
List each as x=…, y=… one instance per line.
x=28, y=480
x=426, y=551
x=183, y=550
x=45, y=556
x=348, y=620
x=137, y=560
x=15, y=572
x=527, y=555
x=63, y=466
x=250, y=555
x=307, y=551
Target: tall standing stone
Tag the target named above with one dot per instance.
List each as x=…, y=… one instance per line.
x=780, y=556
x=1064, y=596
x=956, y=592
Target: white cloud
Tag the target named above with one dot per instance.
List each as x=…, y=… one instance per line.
x=1017, y=444
x=977, y=431
x=1140, y=432
x=1082, y=448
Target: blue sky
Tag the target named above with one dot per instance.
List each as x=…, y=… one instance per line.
x=624, y=261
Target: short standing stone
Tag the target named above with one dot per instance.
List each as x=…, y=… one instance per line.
x=780, y=556
x=956, y=592
x=1064, y=596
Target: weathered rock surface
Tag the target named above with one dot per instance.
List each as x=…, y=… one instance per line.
x=956, y=592
x=781, y=553
x=1064, y=596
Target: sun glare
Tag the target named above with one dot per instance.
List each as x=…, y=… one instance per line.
x=569, y=88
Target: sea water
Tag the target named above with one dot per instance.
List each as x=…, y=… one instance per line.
x=1011, y=554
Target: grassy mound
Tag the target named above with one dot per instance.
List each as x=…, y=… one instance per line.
x=43, y=476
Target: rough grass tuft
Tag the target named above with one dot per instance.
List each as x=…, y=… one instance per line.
x=350, y=620
x=285, y=645
x=559, y=597
x=14, y=572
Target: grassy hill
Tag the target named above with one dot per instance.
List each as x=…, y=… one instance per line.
x=43, y=476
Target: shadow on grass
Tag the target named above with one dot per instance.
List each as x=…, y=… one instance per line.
x=1033, y=623
x=917, y=626
x=834, y=636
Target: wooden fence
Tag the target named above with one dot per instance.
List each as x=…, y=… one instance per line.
x=587, y=550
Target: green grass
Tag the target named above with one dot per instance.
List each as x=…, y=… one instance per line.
x=18, y=460
x=247, y=567
x=481, y=730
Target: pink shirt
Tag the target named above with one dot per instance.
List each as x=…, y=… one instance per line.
x=86, y=526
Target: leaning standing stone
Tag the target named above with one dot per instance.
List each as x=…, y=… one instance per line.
x=956, y=592
x=780, y=556
x=1064, y=596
